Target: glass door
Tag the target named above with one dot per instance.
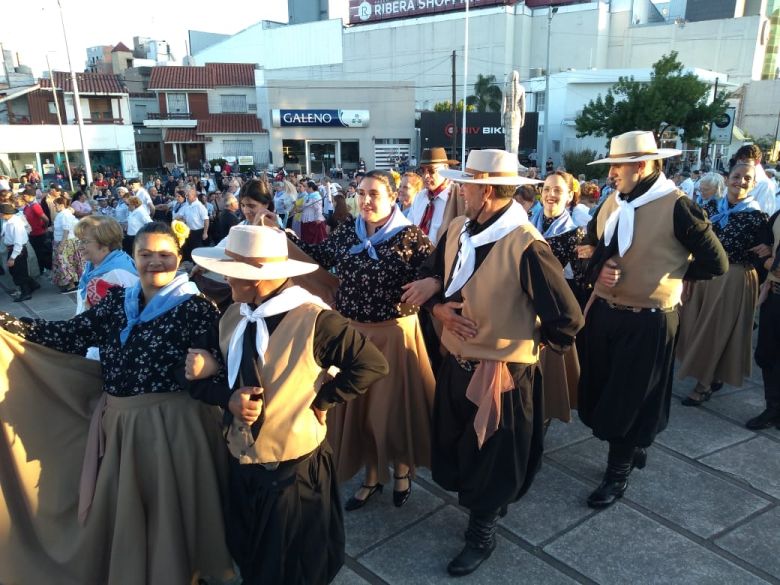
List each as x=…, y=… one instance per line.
x=322, y=156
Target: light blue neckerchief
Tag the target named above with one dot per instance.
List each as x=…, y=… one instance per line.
x=395, y=224
x=560, y=225
x=178, y=291
x=701, y=201
x=116, y=260
x=724, y=211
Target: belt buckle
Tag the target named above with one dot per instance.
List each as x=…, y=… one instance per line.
x=273, y=466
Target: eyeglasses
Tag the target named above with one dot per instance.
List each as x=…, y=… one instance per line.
x=85, y=242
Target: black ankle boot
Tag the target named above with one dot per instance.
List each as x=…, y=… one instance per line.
x=480, y=543
x=769, y=418
x=620, y=462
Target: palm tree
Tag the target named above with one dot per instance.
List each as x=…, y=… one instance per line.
x=487, y=95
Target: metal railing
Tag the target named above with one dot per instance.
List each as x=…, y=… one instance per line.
x=169, y=116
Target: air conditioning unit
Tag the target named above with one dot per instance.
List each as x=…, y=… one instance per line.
x=535, y=72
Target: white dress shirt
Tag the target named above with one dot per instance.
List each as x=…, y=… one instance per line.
x=121, y=212
x=145, y=198
x=137, y=219
x=194, y=215
x=65, y=220
x=417, y=211
x=15, y=234
x=764, y=191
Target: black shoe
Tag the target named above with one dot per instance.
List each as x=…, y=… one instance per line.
x=470, y=558
x=640, y=458
x=608, y=492
x=715, y=386
x=22, y=297
x=400, y=497
x=620, y=461
x=480, y=544
x=354, y=503
x=698, y=396
x=765, y=420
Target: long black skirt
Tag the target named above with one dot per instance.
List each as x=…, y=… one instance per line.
x=286, y=526
x=626, y=362
x=768, y=345
x=503, y=470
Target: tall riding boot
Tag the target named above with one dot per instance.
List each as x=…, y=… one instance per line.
x=620, y=462
x=480, y=543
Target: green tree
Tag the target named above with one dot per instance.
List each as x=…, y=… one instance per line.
x=446, y=106
x=487, y=95
x=671, y=100
x=576, y=162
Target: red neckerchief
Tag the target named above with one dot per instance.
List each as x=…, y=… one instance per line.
x=427, y=218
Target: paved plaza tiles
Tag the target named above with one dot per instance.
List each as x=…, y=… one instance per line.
x=705, y=510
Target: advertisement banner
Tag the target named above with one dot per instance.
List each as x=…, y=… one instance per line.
x=721, y=129
x=483, y=130
x=367, y=11
x=320, y=118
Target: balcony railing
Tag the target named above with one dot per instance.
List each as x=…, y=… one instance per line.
x=104, y=121
x=169, y=116
x=19, y=119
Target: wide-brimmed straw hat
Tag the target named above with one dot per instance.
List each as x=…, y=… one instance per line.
x=635, y=146
x=436, y=156
x=489, y=166
x=252, y=253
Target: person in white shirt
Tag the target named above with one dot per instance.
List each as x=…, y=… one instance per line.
x=138, y=218
x=765, y=188
x=15, y=239
x=66, y=257
x=141, y=193
x=427, y=211
x=195, y=215
x=687, y=185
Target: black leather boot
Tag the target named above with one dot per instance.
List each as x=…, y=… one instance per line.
x=620, y=462
x=480, y=543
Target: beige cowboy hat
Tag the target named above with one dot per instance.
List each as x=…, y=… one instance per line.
x=436, y=156
x=489, y=166
x=252, y=253
x=635, y=146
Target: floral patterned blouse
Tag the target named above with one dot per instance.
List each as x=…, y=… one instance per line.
x=370, y=290
x=152, y=359
x=742, y=232
x=564, y=248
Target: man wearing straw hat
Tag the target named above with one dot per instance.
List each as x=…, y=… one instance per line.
x=646, y=239
x=499, y=293
x=284, y=517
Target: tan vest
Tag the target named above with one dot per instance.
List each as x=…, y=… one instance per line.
x=776, y=249
x=507, y=324
x=291, y=378
x=654, y=265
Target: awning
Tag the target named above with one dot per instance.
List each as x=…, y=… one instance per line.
x=184, y=135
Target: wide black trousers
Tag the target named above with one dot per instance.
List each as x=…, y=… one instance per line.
x=768, y=348
x=626, y=362
x=43, y=250
x=503, y=470
x=20, y=273
x=286, y=526
x=194, y=240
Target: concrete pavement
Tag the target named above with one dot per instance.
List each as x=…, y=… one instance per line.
x=705, y=510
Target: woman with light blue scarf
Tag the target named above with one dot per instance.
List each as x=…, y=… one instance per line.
x=154, y=453
x=561, y=372
x=716, y=322
x=374, y=256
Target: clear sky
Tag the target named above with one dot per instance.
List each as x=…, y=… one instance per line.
x=32, y=28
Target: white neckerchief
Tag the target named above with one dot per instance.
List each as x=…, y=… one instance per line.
x=512, y=218
x=625, y=213
x=287, y=300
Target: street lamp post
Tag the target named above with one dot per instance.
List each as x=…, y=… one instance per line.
x=59, y=123
x=550, y=13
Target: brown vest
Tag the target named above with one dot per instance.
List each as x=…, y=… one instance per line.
x=291, y=378
x=507, y=324
x=776, y=249
x=654, y=265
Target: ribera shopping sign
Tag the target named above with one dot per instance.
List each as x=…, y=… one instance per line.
x=364, y=11
x=341, y=118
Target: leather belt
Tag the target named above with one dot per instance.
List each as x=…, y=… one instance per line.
x=619, y=307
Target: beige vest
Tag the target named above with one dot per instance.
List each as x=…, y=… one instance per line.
x=291, y=378
x=776, y=249
x=507, y=324
x=654, y=265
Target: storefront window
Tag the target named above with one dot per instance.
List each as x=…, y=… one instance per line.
x=350, y=155
x=294, y=152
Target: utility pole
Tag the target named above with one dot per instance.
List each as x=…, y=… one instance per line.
x=543, y=163
x=76, y=102
x=709, y=135
x=465, y=86
x=454, y=111
x=59, y=123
